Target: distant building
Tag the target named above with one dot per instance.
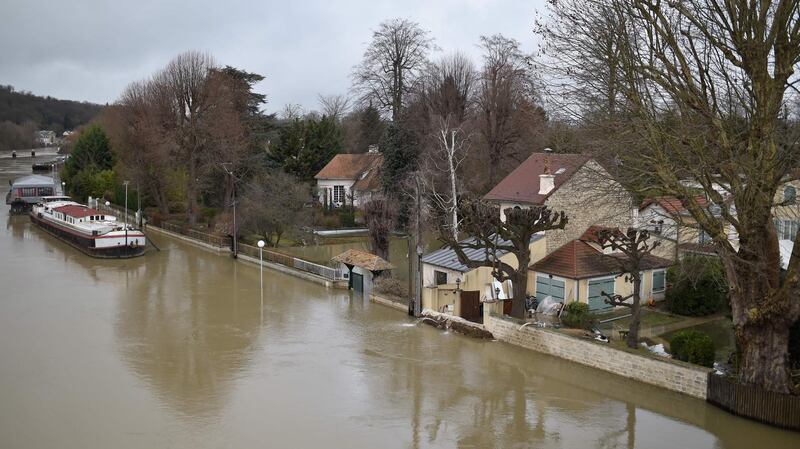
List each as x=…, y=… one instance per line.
x=45, y=138
x=350, y=179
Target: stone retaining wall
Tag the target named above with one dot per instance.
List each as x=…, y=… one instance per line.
x=402, y=307
x=672, y=375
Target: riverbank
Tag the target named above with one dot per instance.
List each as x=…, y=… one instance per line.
x=245, y=258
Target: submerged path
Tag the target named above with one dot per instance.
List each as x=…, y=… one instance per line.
x=169, y=350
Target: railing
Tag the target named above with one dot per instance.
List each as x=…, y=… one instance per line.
x=781, y=410
x=334, y=274
x=330, y=273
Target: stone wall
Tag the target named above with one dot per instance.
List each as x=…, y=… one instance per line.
x=589, y=198
x=672, y=375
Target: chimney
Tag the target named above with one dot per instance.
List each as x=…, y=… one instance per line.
x=547, y=181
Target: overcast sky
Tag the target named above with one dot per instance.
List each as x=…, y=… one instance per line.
x=91, y=49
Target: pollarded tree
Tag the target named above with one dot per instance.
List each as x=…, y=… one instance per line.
x=705, y=86
x=495, y=238
x=632, y=257
x=392, y=61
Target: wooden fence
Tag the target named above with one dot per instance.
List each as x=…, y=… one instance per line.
x=771, y=408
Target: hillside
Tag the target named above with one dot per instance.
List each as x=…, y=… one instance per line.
x=22, y=113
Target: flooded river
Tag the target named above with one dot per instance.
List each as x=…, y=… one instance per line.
x=174, y=350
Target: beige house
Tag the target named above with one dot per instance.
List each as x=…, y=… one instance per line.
x=669, y=221
x=450, y=286
x=581, y=270
x=573, y=183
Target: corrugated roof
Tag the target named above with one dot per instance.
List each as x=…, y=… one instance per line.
x=34, y=181
x=447, y=258
x=363, y=259
x=522, y=184
x=350, y=166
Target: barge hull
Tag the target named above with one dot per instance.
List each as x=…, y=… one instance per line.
x=84, y=244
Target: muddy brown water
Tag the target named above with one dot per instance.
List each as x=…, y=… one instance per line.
x=169, y=350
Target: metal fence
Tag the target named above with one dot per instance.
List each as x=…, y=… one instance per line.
x=781, y=410
x=333, y=274
x=330, y=273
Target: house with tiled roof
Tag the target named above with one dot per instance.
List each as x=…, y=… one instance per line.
x=350, y=179
x=573, y=183
x=581, y=269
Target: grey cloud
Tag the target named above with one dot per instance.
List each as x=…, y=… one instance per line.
x=91, y=49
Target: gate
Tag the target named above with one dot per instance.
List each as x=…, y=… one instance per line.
x=471, y=307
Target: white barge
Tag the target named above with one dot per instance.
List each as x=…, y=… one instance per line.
x=94, y=232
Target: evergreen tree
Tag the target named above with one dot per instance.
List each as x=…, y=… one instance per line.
x=400, y=159
x=372, y=128
x=305, y=146
x=89, y=169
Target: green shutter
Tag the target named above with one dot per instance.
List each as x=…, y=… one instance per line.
x=658, y=280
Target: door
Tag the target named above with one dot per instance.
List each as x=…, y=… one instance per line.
x=357, y=282
x=547, y=286
x=471, y=307
x=597, y=301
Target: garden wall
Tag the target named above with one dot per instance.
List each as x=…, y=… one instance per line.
x=666, y=373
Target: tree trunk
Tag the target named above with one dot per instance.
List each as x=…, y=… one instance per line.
x=520, y=281
x=765, y=357
x=636, y=315
x=453, y=192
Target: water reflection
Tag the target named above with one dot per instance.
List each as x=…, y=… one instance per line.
x=189, y=337
x=168, y=350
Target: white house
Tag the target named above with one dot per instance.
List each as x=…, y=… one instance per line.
x=350, y=179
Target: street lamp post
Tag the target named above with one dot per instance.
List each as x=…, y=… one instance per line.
x=233, y=183
x=261, y=276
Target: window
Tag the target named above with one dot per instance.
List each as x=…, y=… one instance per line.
x=789, y=195
x=28, y=191
x=659, y=281
x=338, y=194
x=440, y=277
x=787, y=229
x=44, y=191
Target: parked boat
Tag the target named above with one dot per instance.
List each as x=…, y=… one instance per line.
x=43, y=167
x=96, y=233
x=29, y=190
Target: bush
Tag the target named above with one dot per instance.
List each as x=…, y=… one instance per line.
x=390, y=286
x=577, y=315
x=697, y=286
x=693, y=347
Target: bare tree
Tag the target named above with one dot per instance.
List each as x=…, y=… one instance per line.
x=705, y=86
x=274, y=206
x=379, y=216
x=334, y=106
x=495, y=238
x=443, y=163
x=391, y=63
x=633, y=251
x=292, y=111
x=505, y=99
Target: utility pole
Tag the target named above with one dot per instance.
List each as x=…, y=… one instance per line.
x=234, y=243
x=415, y=256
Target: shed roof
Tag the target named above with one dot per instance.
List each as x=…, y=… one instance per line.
x=522, y=184
x=578, y=259
x=350, y=166
x=363, y=259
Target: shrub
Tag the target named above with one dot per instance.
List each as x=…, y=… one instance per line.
x=577, y=315
x=390, y=286
x=693, y=347
x=697, y=286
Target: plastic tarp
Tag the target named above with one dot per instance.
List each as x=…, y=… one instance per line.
x=548, y=306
